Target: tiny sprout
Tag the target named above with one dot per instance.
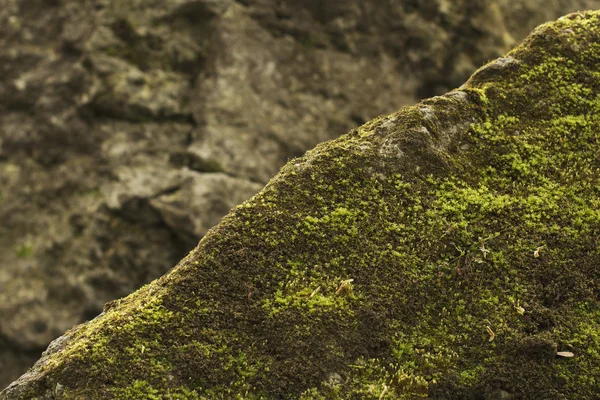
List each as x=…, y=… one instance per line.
x=536, y=253
x=483, y=250
x=491, y=333
x=566, y=354
x=520, y=310
x=383, y=392
x=345, y=287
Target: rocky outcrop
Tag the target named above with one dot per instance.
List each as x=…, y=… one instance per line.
x=128, y=128
x=447, y=250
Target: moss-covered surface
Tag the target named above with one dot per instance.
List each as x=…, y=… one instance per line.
x=449, y=250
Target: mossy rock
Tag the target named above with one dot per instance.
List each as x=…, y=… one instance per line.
x=449, y=251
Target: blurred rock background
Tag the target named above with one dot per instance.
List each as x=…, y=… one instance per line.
x=129, y=128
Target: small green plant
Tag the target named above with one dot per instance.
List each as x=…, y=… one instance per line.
x=24, y=250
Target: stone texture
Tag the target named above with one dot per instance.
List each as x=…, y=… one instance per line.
x=128, y=128
x=446, y=251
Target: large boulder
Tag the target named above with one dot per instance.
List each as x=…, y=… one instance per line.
x=129, y=128
x=448, y=250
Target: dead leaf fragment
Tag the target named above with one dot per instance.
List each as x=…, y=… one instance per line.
x=345, y=287
x=567, y=354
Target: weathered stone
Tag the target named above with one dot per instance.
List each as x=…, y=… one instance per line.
x=448, y=251
x=113, y=114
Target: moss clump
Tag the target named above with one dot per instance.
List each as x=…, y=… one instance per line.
x=24, y=250
x=448, y=250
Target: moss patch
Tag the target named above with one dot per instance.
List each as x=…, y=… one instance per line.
x=448, y=250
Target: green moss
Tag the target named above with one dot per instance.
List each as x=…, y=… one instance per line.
x=448, y=250
x=24, y=250
x=142, y=390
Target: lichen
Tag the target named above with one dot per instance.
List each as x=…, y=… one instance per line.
x=448, y=250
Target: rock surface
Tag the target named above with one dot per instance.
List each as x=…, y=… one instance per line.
x=447, y=250
x=128, y=128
